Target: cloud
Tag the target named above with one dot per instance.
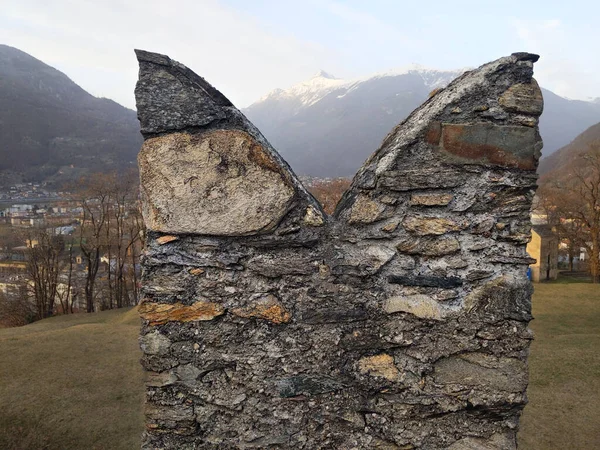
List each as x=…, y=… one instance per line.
x=565, y=66
x=93, y=43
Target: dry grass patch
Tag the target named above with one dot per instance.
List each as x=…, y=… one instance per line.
x=75, y=382
x=72, y=382
x=564, y=389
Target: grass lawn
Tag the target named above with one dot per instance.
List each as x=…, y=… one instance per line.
x=74, y=382
x=564, y=363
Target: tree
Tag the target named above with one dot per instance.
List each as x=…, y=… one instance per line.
x=44, y=257
x=573, y=199
x=16, y=311
x=329, y=192
x=94, y=200
x=111, y=228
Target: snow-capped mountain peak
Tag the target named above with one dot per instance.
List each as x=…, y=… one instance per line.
x=307, y=92
x=322, y=74
x=322, y=83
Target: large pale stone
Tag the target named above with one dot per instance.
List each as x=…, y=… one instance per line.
x=524, y=98
x=421, y=306
x=482, y=371
x=430, y=225
x=155, y=343
x=365, y=210
x=219, y=183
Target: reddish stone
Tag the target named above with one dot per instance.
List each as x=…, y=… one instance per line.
x=485, y=143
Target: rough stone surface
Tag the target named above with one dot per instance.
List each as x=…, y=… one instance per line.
x=265, y=307
x=430, y=225
x=219, y=183
x=379, y=366
x=421, y=306
x=484, y=143
x=159, y=313
x=365, y=210
x=399, y=322
x=430, y=199
x=525, y=98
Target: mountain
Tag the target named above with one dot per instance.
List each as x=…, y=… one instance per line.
x=51, y=128
x=561, y=158
x=328, y=127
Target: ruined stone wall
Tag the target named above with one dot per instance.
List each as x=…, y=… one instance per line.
x=399, y=322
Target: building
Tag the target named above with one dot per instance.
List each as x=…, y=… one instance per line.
x=543, y=247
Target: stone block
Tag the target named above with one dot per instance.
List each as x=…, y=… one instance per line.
x=523, y=98
x=221, y=183
x=161, y=313
x=431, y=199
x=364, y=210
x=444, y=245
x=485, y=143
x=421, y=306
x=266, y=307
x=423, y=226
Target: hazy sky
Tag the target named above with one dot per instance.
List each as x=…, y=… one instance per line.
x=249, y=47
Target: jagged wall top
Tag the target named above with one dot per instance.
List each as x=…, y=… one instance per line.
x=400, y=322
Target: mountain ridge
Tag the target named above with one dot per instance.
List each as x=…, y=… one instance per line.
x=52, y=129
x=49, y=124
x=304, y=122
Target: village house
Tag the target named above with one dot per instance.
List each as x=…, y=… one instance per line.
x=543, y=247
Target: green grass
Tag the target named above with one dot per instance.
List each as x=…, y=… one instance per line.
x=564, y=390
x=74, y=382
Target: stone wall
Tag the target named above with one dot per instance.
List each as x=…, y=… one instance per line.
x=399, y=322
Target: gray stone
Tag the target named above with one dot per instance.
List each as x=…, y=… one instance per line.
x=171, y=97
x=307, y=385
x=485, y=143
x=495, y=442
x=426, y=281
x=429, y=246
x=523, y=98
x=480, y=371
x=155, y=343
x=398, y=322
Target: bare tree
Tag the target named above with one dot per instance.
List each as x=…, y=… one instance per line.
x=94, y=200
x=573, y=201
x=111, y=228
x=44, y=263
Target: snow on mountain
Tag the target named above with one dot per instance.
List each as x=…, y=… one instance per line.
x=326, y=126
x=322, y=83
x=309, y=91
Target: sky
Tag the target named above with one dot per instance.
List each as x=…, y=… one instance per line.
x=247, y=48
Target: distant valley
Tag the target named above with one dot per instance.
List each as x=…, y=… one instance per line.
x=51, y=130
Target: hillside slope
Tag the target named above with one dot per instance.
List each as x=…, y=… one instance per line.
x=75, y=382
x=562, y=157
x=72, y=382
x=47, y=122
x=328, y=127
